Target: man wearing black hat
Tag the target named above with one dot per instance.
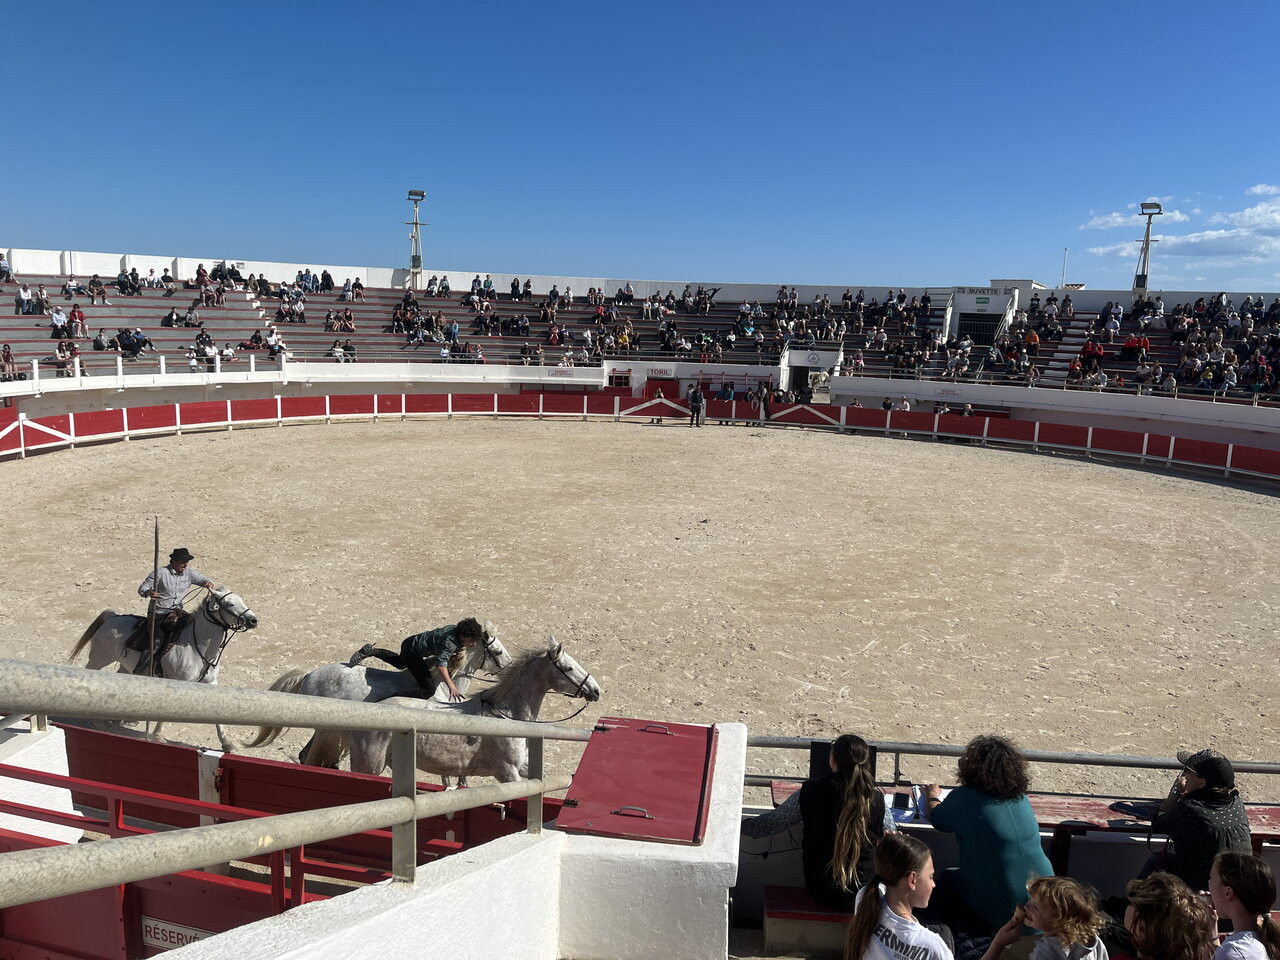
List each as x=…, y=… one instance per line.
x=168, y=591
x=1203, y=816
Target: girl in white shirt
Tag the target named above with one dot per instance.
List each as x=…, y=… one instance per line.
x=884, y=926
x=1243, y=888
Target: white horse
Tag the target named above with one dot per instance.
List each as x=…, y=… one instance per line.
x=517, y=695
x=195, y=653
x=339, y=681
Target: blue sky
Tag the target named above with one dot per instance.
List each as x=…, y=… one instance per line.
x=811, y=142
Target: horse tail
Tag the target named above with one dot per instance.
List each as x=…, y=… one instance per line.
x=329, y=748
x=103, y=617
x=289, y=683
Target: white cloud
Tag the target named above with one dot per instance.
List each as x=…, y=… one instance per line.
x=1235, y=239
x=1109, y=221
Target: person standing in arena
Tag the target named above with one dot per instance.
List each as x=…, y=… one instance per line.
x=695, y=399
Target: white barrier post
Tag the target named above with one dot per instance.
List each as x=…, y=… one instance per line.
x=119, y=366
x=177, y=418
x=1035, y=438
x=375, y=408
x=253, y=363
x=229, y=426
x=540, y=396
x=1088, y=445
x=162, y=365
x=449, y=405
x=617, y=409
x=35, y=372
x=22, y=435
x=1231, y=449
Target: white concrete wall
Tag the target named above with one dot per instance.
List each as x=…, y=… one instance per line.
x=500, y=900
x=623, y=900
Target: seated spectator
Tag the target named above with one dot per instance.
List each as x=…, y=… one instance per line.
x=1067, y=913
x=884, y=926
x=100, y=341
x=335, y=351
x=41, y=300
x=74, y=288
x=844, y=816
x=1243, y=890
x=168, y=282
x=357, y=290
x=142, y=340
x=253, y=343
x=192, y=317
x=6, y=272
x=126, y=286
x=171, y=319
x=58, y=324
x=228, y=353
x=1202, y=816
x=997, y=833
x=349, y=349
x=76, y=327
x=8, y=366
x=1167, y=921
x=97, y=289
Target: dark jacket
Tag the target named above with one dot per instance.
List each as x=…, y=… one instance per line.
x=820, y=802
x=1201, y=825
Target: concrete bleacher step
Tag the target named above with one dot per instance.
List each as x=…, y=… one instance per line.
x=797, y=925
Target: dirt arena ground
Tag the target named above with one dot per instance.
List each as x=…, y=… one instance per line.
x=799, y=582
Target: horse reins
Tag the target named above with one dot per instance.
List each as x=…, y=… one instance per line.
x=227, y=633
x=555, y=661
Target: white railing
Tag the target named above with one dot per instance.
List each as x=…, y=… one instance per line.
x=37, y=688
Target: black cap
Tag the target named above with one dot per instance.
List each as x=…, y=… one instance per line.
x=1213, y=768
x=181, y=555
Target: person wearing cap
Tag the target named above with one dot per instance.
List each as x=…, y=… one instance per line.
x=1203, y=816
x=430, y=654
x=167, y=587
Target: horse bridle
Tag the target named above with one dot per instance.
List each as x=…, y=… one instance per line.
x=555, y=661
x=228, y=631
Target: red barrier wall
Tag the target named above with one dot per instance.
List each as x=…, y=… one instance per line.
x=156, y=418
x=245, y=410
x=525, y=403
x=1256, y=460
x=35, y=437
x=1200, y=451
x=474, y=402
x=1064, y=435
x=561, y=403
x=428, y=402
x=1023, y=431
x=211, y=411
x=1116, y=441
x=351, y=404
x=96, y=422
x=302, y=406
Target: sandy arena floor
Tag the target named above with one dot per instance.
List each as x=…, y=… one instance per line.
x=799, y=582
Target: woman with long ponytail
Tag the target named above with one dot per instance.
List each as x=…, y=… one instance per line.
x=844, y=818
x=1243, y=888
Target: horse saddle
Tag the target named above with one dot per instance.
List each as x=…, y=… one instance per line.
x=140, y=640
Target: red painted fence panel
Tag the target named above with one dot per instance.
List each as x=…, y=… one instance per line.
x=94, y=423
x=426, y=403
x=389, y=402
x=526, y=403
x=719, y=409
x=211, y=411
x=963, y=426
x=1206, y=452
x=1159, y=445
x=36, y=437
x=1118, y=441
x=156, y=418
x=246, y=410
x=302, y=406
x=1065, y=435
x=1256, y=460
x=473, y=403
x=600, y=405
x=342, y=405
x=562, y=403
x=909, y=420
x=861, y=417
x=1022, y=431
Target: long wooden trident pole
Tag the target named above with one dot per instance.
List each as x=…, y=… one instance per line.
x=151, y=606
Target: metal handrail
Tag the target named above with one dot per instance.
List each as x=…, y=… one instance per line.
x=43, y=872
x=900, y=749
x=42, y=688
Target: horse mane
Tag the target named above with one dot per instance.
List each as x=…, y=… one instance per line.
x=511, y=674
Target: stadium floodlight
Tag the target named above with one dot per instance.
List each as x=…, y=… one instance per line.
x=415, y=246
x=1149, y=209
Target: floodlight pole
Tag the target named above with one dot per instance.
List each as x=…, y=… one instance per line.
x=1150, y=211
x=415, y=244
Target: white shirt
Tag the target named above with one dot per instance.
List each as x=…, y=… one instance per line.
x=1242, y=945
x=897, y=938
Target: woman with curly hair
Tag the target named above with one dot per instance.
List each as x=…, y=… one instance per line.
x=997, y=833
x=1167, y=921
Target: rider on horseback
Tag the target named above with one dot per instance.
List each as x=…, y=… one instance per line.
x=168, y=591
x=423, y=653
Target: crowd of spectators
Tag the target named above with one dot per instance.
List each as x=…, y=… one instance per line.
x=1004, y=886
